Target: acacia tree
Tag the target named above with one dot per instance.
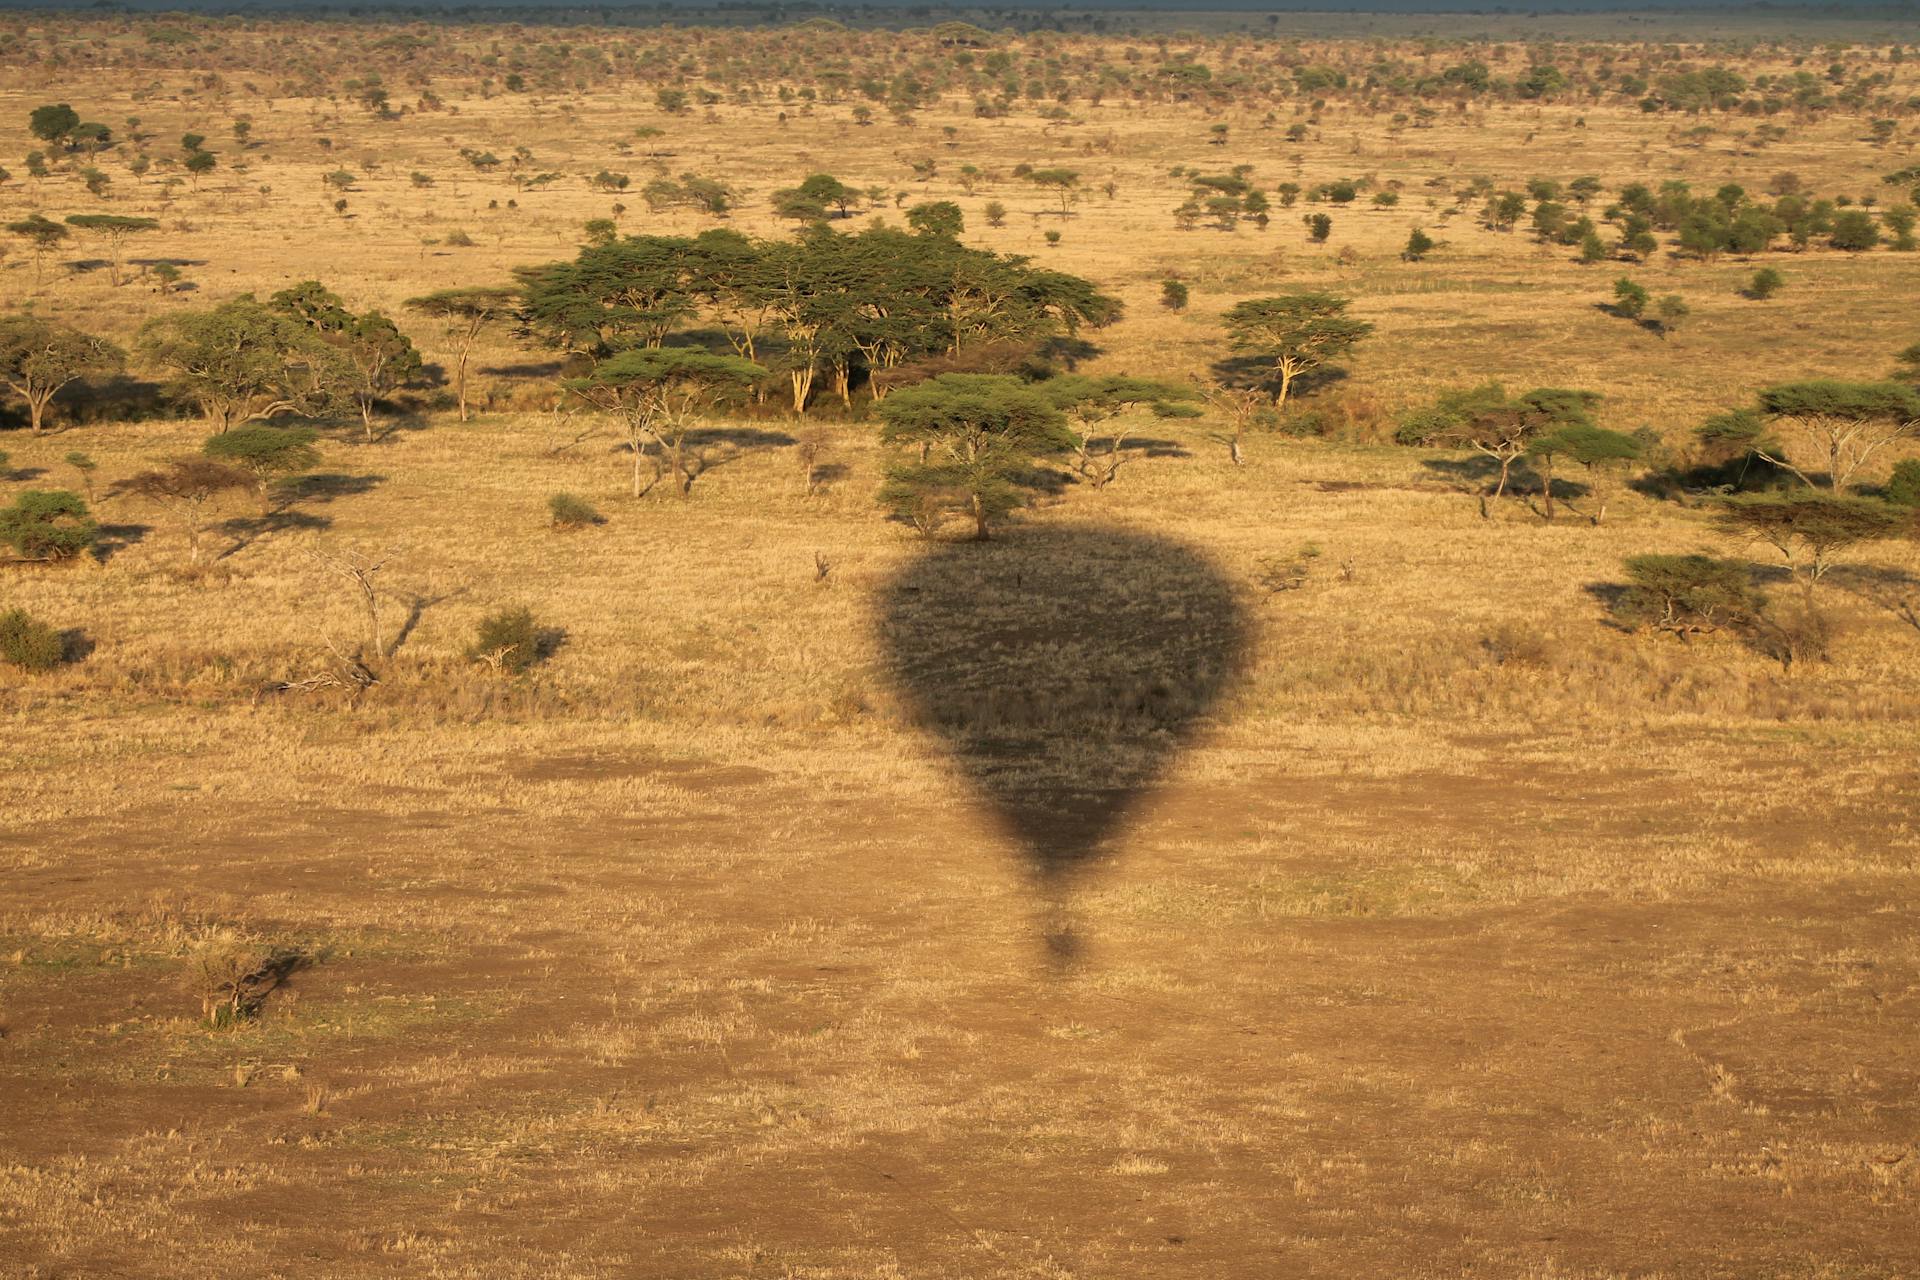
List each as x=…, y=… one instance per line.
x=1502, y=430
x=1811, y=529
x=382, y=358
x=113, y=228
x=38, y=358
x=1849, y=422
x=43, y=235
x=186, y=490
x=1593, y=447
x=1091, y=402
x=1296, y=333
x=265, y=452
x=656, y=392
x=978, y=437
x=243, y=362
x=466, y=312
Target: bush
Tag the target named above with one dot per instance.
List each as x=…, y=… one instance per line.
x=571, y=511
x=1173, y=295
x=48, y=524
x=510, y=640
x=30, y=644
x=1903, y=487
x=1765, y=283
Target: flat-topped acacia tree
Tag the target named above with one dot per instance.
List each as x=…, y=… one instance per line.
x=977, y=436
x=113, y=229
x=42, y=234
x=1295, y=332
x=38, y=358
x=656, y=392
x=1848, y=422
x=466, y=312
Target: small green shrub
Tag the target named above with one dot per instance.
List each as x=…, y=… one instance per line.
x=1173, y=295
x=48, y=524
x=510, y=640
x=30, y=644
x=570, y=511
x=1903, y=487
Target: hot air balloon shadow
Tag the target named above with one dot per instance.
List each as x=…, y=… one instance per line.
x=1064, y=668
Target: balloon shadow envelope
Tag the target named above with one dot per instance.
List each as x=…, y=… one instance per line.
x=1063, y=668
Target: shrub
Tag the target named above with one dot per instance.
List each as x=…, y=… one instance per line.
x=30, y=644
x=510, y=640
x=48, y=524
x=1765, y=283
x=1903, y=487
x=1173, y=295
x=571, y=511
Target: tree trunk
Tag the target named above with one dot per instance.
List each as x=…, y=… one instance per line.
x=979, y=519
x=1547, y=485
x=802, y=387
x=460, y=379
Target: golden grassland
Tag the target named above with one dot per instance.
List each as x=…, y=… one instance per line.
x=1471, y=936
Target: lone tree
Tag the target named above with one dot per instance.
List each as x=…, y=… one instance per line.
x=1091, y=403
x=1596, y=448
x=1810, y=529
x=382, y=358
x=186, y=490
x=43, y=235
x=113, y=229
x=265, y=452
x=38, y=358
x=656, y=392
x=243, y=362
x=1296, y=333
x=978, y=437
x=1848, y=422
x=48, y=524
x=467, y=313
x=53, y=123
x=1686, y=595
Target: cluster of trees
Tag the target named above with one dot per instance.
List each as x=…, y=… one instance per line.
x=820, y=62
x=1785, y=473
x=876, y=308
x=1730, y=220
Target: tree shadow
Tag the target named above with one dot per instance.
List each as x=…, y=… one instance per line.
x=1255, y=373
x=1063, y=668
x=247, y=530
x=530, y=369
x=1894, y=590
x=417, y=606
x=324, y=486
x=738, y=438
x=115, y=538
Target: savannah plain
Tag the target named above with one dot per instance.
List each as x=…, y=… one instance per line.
x=1468, y=933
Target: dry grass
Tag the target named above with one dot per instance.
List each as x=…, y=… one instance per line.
x=1470, y=937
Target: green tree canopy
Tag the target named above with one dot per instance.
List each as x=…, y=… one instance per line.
x=38, y=358
x=244, y=361
x=977, y=437
x=1296, y=333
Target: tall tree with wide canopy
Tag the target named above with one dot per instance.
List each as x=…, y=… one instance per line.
x=244, y=361
x=38, y=358
x=467, y=313
x=1847, y=422
x=383, y=359
x=656, y=392
x=628, y=293
x=1296, y=333
x=113, y=229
